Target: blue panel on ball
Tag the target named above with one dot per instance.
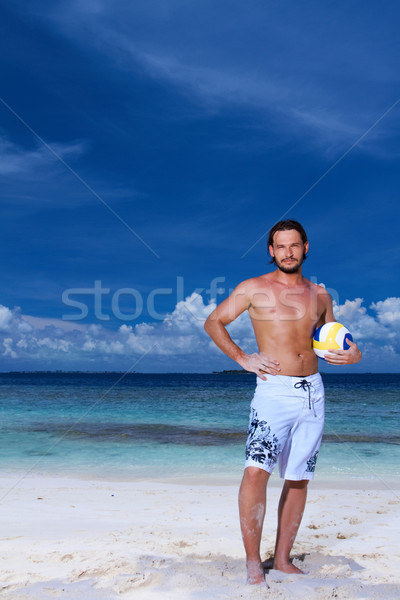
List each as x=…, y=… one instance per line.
x=348, y=336
x=316, y=334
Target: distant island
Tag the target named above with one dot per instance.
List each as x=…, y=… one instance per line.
x=230, y=371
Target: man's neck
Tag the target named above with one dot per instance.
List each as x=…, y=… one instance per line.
x=289, y=279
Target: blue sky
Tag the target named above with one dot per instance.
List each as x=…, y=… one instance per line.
x=175, y=135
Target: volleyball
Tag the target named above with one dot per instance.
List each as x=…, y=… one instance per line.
x=331, y=336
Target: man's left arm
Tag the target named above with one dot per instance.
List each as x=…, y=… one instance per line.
x=340, y=357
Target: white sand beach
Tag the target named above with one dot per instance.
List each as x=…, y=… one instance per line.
x=73, y=539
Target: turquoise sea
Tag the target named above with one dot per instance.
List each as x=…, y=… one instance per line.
x=181, y=425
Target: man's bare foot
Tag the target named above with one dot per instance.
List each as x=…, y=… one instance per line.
x=287, y=567
x=255, y=573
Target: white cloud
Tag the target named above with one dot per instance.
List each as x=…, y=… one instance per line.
x=217, y=88
x=8, y=351
x=382, y=328
x=42, y=323
x=355, y=317
x=15, y=160
x=181, y=332
x=216, y=71
x=5, y=318
x=180, y=338
x=388, y=311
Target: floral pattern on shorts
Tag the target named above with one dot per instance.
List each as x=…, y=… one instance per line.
x=262, y=445
x=312, y=462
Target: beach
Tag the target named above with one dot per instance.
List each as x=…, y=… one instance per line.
x=130, y=491
x=93, y=539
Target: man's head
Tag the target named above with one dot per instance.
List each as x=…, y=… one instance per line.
x=288, y=245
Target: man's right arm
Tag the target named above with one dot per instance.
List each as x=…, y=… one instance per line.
x=225, y=313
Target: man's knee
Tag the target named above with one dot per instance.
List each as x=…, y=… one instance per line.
x=256, y=476
x=303, y=483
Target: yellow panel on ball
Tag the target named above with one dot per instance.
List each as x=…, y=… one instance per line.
x=331, y=336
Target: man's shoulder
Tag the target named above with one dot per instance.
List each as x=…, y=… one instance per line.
x=321, y=293
x=260, y=281
x=318, y=288
x=253, y=286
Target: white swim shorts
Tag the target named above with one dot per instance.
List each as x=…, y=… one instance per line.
x=286, y=423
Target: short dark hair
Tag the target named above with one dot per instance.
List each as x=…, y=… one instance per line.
x=286, y=225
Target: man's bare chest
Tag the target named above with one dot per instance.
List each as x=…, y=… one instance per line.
x=286, y=303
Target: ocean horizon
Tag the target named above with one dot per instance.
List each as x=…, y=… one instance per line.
x=222, y=372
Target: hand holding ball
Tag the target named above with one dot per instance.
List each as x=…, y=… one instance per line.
x=331, y=336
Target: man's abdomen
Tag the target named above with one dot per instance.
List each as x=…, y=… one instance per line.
x=295, y=364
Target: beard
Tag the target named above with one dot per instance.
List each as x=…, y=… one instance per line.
x=292, y=269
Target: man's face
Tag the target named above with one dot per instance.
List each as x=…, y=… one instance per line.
x=288, y=250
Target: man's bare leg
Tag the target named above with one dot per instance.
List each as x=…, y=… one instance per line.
x=252, y=504
x=291, y=507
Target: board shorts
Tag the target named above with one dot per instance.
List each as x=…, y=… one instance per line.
x=286, y=424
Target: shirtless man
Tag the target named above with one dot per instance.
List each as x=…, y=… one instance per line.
x=287, y=410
